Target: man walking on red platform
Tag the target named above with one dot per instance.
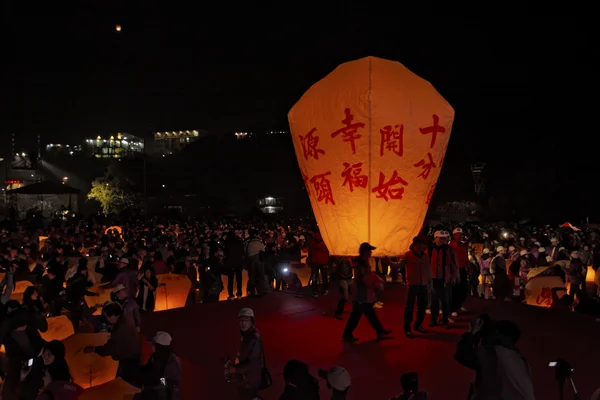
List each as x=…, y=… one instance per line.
x=418, y=279
x=444, y=273
x=461, y=289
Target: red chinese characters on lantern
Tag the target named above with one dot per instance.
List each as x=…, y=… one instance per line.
x=392, y=139
x=353, y=176
x=349, y=131
x=309, y=145
x=430, y=194
x=427, y=167
x=390, y=190
x=433, y=129
x=545, y=297
x=322, y=187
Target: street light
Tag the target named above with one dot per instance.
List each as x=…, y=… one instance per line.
x=64, y=180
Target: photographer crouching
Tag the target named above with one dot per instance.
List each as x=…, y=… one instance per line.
x=501, y=371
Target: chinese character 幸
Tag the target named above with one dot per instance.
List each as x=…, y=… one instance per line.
x=433, y=129
x=385, y=189
x=322, y=187
x=309, y=145
x=349, y=131
x=392, y=139
x=427, y=167
x=353, y=176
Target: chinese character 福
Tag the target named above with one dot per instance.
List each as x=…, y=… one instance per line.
x=322, y=187
x=427, y=167
x=392, y=139
x=385, y=189
x=433, y=129
x=349, y=131
x=352, y=175
x=309, y=145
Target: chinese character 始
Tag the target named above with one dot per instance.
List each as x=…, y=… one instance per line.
x=349, y=131
x=353, y=177
x=427, y=167
x=322, y=187
x=309, y=145
x=385, y=189
x=392, y=139
x=433, y=129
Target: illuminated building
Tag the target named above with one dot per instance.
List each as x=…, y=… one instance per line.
x=119, y=146
x=65, y=149
x=169, y=142
x=270, y=205
x=244, y=135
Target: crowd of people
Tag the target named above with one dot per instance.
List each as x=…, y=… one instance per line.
x=441, y=269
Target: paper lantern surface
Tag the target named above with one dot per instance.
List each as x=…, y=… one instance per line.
x=538, y=291
x=89, y=369
x=370, y=140
x=172, y=292
x=59, y=328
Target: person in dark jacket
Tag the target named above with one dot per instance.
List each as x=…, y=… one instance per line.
x=343, y=272
x=318, y=257
x=365, y=296
x=250, y=360
x=444, y=273
x=58, y=383
x=162, y=373
x=122, y=346
x=77, y=289
x=234, y=263
x=418, y=279
x=299, y=383
x=32, y=377
x=20, y=335
x=148, y=283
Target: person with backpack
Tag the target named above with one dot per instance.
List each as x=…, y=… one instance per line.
x=162, y=373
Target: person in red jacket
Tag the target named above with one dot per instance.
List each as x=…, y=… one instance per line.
x=460, y=290
x=418, y=280
x=318, y=257
x=444, y=274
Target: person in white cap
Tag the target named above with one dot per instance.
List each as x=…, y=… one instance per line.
x=338, y=380
x=162, y=373
x=502, y=284
x=131, y=310
x=126, y=277
x=250, y=370
x=444, y=274
x=554, y=249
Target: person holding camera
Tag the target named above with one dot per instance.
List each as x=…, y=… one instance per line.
x=410, y=387
x=501, y=371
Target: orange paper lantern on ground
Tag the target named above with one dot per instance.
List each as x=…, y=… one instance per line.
x=172, y=292
x=89, y=369
x=370, y=140
x=59, y=328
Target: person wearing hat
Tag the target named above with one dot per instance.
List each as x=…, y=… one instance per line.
x=338, y=380
x=254, y=252
x=460, y=290
x=126, y=277
x=249, y=367
x=131, y=310
x=366, y=283
x=299, y=383
x=162, y=373
x=418, y=279
x=444, y=274
x=554, y=249
x=502, y=284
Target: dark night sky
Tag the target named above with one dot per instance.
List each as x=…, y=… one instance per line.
x=519, y=88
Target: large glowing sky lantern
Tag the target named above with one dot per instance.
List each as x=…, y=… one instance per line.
x=370, y=140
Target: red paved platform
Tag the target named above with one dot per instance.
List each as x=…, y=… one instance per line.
x=298, y=328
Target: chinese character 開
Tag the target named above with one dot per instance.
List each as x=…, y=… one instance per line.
x=392, y=139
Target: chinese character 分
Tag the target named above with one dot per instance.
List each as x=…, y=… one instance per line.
x=545, y=297
x=349, y=131
x=427, y=167
x=392, y=139
x=430, y=194
x=322, y=187
x=352, y=175
x=385, y=189
x=309, y=145
x=433, y=129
